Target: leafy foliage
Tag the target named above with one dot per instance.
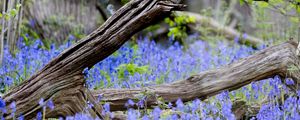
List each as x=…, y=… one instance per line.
x=131, y=69
x=178, y=24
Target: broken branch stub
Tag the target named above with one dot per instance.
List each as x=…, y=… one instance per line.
x=62, y=80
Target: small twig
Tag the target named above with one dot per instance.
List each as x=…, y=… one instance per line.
x=276, y=9
x=298, y=48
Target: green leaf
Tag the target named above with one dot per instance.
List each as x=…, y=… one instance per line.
x=18, y=7
x=6, y=16
x=295, y=19
x=192, y=19
x=242, y=2
x=263, y=4
x=13, y=12
x=282, y=10
x=132, y=69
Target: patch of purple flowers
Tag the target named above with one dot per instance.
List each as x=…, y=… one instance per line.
x=159, y=64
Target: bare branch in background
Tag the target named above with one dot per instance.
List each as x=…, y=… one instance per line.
x=228, y=32
x=3, y=29
x=10, y=25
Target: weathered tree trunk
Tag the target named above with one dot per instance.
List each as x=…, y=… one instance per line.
x=3, y=24
x=57, y=19
x=262, y=65
x=62, y=80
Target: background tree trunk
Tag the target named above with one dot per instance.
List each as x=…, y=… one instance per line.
x=55, y=20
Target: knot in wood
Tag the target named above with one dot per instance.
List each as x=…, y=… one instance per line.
x=192, y=79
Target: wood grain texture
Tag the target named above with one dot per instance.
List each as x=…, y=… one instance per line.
x=62, y=80
x=262, y=65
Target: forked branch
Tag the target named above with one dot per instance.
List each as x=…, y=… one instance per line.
x=62, y=80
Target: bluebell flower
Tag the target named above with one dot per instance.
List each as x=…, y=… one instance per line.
x=245, y=36
x=86, y=73
x=195, y=105
x=145, y=117
x=8, y=81
x=110, y=8
x=179, y=105
x=89, y=105
x=129, y=103
x=289, y=81
x=50, y=104
x=41, y=102
x=140, y=103
x=13, y=107
x=156, y=113
x=170, y=105
x=32, y=23
x=71, y=38
x=131, y=115
x=99, y=98
x=2, y=105
x=236, y=39
x=21, y=117
x=174, y=117
x=106, y=107
x=39, y=116
x=226, y=111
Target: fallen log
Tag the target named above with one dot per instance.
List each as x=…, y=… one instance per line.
x=62, y=79
x=262, y=65
x=228, y=32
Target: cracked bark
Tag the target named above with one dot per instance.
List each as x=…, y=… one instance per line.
x=62, y=80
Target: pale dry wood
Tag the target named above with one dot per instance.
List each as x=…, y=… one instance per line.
x=14, y=31
x=298, y=49
x=261, y=65
x=62, y=80
x=10, y=21
x=20, y=18
x=3, y=24
x=228, y=32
